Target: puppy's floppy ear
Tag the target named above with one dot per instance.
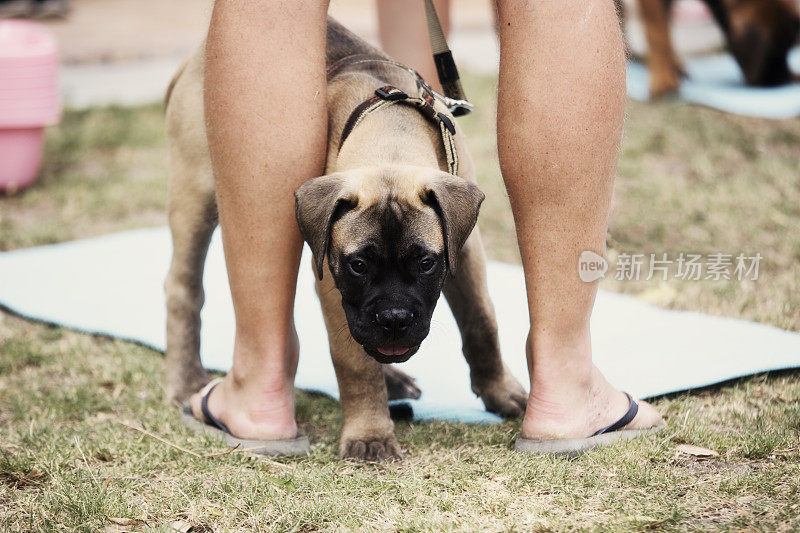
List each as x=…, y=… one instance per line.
x=318, y=204
x=457, y=201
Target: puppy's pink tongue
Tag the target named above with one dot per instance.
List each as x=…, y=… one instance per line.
x=393, y=351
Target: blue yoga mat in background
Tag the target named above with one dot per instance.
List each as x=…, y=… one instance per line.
x=113, y=285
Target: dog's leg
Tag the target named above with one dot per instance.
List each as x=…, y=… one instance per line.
x=399, y=385
x=665, y=68
x=192, y=219
x=367, y=430
x=469, y=300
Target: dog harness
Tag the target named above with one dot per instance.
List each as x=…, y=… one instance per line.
x=388, y=95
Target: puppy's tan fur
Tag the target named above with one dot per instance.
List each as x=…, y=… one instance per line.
x=391, y=158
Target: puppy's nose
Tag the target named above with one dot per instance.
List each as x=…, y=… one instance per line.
x=394, y=321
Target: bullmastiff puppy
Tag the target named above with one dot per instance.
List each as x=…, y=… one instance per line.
x=391, y=225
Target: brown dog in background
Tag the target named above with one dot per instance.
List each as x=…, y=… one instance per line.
x=759, y=34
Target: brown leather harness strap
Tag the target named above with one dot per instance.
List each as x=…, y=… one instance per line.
x=389, y=95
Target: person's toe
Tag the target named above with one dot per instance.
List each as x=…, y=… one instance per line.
x=196, y=400
x=646, y=418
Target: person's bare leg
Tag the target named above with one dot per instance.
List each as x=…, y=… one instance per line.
x=560, y=112
x=266, y=122
x=403, y=33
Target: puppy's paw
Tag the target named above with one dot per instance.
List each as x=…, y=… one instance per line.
x=179, y=386
x=502, y=395
x=371, y=449
x=400, y=385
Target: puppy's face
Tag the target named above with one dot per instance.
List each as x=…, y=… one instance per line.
x=760, y=35
x=391, y=237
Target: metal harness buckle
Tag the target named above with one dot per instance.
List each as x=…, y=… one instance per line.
x=457, y=107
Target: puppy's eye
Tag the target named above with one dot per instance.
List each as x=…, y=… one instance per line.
x=426, y=265
x=358, y=266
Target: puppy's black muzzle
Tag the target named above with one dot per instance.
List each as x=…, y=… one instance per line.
x=395, y=322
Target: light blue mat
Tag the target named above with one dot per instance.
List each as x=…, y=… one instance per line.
x=716, y=81
x=113, y=285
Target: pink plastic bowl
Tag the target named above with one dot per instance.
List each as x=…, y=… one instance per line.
x=20, y=154
x=29, y=99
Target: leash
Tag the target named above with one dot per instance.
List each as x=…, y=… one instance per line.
x=446, y=70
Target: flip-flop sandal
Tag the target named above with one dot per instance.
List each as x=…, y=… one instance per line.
x=605, y=437
x=296, y=446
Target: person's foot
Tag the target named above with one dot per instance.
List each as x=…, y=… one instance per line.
x=257, y=405
x=575, y=400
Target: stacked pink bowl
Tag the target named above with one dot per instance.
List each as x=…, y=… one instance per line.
x=29, y=99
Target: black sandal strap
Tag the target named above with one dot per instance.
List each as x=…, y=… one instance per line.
x=625, y=420
x=211, y=419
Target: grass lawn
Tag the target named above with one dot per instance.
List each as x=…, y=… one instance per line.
x=87, y=442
